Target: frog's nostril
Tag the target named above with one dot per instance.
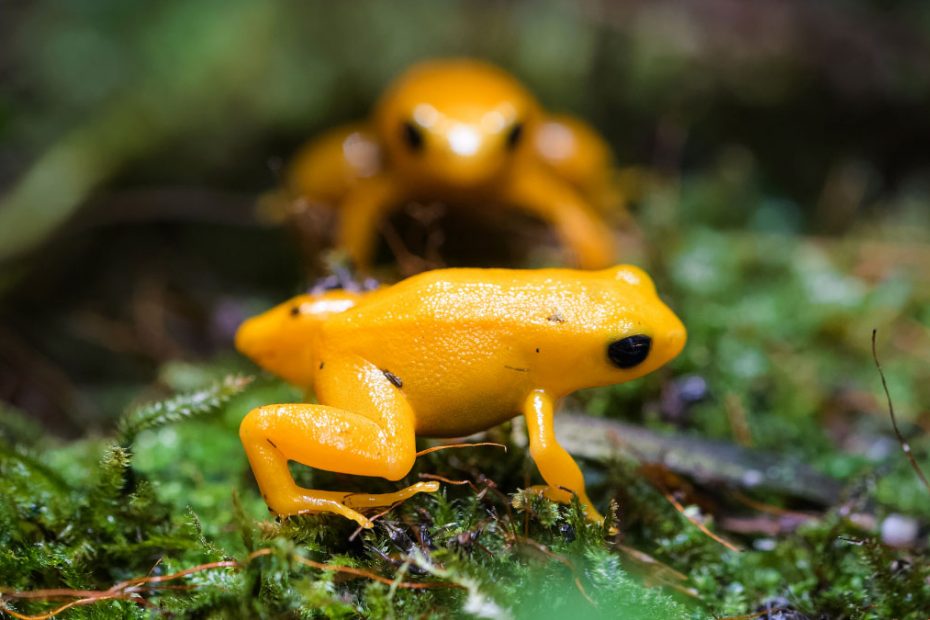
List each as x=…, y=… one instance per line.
x=676, y=342
x=630, y=351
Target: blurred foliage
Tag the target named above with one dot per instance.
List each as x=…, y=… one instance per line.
x=787, y=218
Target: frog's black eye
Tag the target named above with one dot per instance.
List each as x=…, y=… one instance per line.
x=514, y=136
x=295, y=310
x=413, y=137
x=630, y=351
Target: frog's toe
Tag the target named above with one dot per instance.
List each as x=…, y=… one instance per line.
x=425, y=487
x=309, y=501
x=554, y=494
x=363, y=500
x=343, y=511
x=363, y=521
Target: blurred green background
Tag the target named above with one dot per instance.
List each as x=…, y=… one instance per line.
x=135, y=138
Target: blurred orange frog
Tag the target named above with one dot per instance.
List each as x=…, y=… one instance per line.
x=461, y=131
x=444, y=353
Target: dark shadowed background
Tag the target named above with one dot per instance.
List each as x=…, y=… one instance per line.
x=135, y=138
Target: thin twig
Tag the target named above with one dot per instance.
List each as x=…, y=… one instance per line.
x=359, y=572
x=130, y=589
x=489, y=485
x=661, y=574
x=736, y=414
x=695, y=522
x=644, y=558
x=374, y=518
x=147, y=581
x=905, y=446
x=769, y=508
x=78, y=603
x=460, y=445
x=447, y=480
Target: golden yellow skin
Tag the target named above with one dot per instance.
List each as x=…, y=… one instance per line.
x=444, y=353
x=480, y=138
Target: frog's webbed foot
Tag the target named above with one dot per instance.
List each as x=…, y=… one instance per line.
x=377, y=500
x=369, y=432
x=303, y=501
x=348, y=505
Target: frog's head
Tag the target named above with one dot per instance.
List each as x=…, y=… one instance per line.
x=642, y=332
x=458, y=123
x=620, y=328
x=283, y=339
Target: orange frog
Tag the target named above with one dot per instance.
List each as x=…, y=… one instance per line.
x=445, y=353
x=461, y=131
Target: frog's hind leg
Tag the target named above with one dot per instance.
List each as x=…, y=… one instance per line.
x=370, y=433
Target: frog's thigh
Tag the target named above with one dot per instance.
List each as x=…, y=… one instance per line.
x=353, y=384
x=538, y=191
x=379, y=442
x=362, y=211
x=556, y=465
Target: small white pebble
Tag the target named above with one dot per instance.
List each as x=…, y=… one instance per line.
x=899, y=530
x=764, y=544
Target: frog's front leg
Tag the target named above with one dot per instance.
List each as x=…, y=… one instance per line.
x=539, y=192
x=558, y=468
x=364, y=208
x=578, y=154
x=367, y=428
x=326, y=168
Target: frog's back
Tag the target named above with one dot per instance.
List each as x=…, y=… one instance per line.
x=459, y=341
x=467, y=346
x=461, y=297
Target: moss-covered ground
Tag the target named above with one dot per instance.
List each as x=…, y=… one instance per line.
x=757, y=476
x=161, y=514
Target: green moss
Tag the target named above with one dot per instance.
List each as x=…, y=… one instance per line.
x=778, y=331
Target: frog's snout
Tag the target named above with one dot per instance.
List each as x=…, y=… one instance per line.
x=630, y=352
x=464, y=140
x=673, y=340
x=251, y=339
